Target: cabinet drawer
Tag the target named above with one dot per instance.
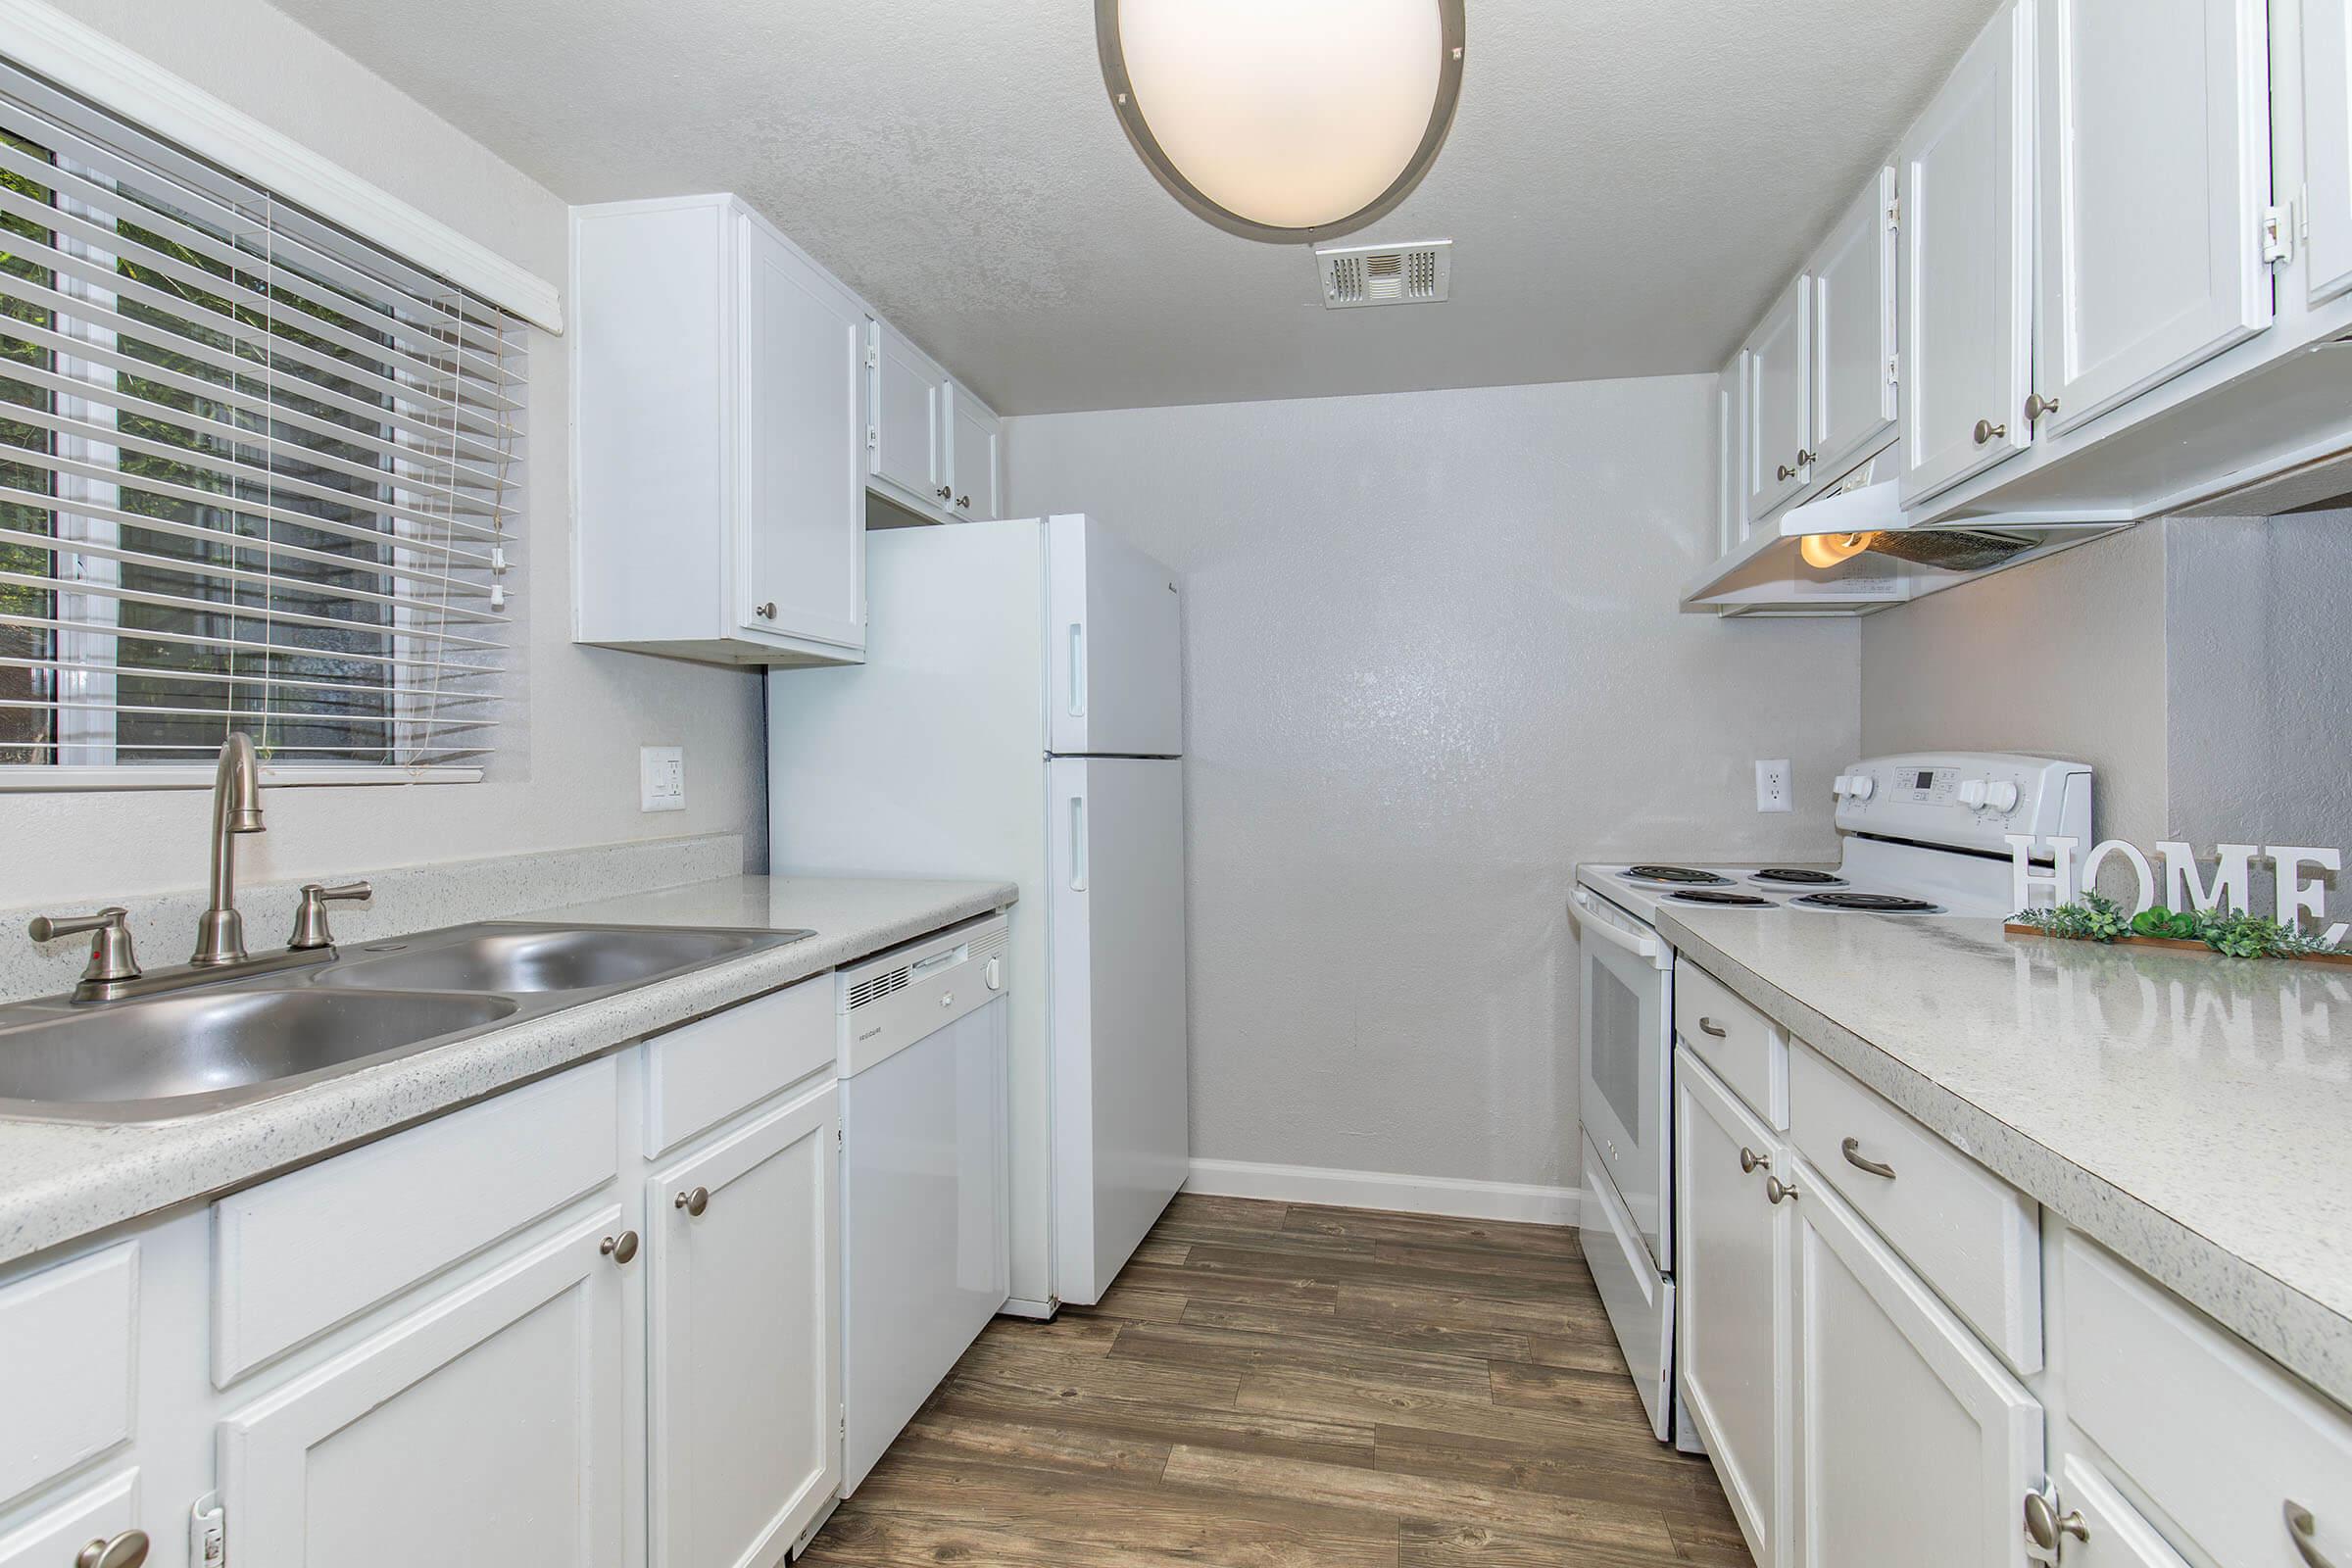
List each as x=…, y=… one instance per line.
x=2113, y=1534
x=53, y=1538
x=2217, y=1438
x=66, y=1342
x=296, y=1256
x=1972, y=1236
x=699, y=1075
x=1747, y=1049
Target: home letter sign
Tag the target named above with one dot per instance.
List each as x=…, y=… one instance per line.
x=2183, y=889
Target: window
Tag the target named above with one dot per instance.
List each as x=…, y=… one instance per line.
x=255, y=473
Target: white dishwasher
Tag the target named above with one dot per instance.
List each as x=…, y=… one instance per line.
x=926, y=1255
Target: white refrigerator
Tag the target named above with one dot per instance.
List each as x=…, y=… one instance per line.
x=1019, y=717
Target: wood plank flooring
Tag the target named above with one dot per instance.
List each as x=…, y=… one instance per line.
x=1277, y=1386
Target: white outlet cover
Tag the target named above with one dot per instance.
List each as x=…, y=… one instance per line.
x=1772, y=785
x=661, y=778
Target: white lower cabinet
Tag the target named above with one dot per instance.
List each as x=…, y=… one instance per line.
x=2094, y=1525
x=104, y=1513
x=484, y=1428
x=2328, y=144
x=1914, y=1444
x=744, y=1385
x=1731, y=1294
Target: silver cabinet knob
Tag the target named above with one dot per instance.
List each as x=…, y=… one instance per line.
x=620, y=1248
x=945, y=492
x=1804, y=459
x=1776, y=1188
x=126, y=1550
x=1989, y=432
x=2304, y=1531
x=694, y=1201
x=1852, y=1149
x=2037, y=405
x=965, y=503
x=2044, y=1524
x=765, y=611
x=1787, y=472
x=1751, y=1162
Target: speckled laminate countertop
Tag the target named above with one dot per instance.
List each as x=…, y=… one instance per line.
x=2191, y=1113
x=60, y=1182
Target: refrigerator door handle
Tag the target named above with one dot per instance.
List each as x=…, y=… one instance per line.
x=1077, y=843
x=1077, y=670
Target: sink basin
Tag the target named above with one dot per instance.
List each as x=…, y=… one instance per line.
x=524, y=960
x=203, y=1050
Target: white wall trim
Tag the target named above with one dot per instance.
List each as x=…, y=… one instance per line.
x=79, y=57
x=1366, y=1188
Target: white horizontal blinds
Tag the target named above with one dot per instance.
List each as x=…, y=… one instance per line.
x=255, y=473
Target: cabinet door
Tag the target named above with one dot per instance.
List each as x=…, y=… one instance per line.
x=799, y=502
x=2155, y=168
x=483, y=1430
x=1779, y=400
x=1852, y=278
x=744, y=1391
x=1913, y=1443
x=906, y=432
x=974, y=439
x=1731, y=451
x=1731, y=1284
x=2327, y=143
x=1966, y=244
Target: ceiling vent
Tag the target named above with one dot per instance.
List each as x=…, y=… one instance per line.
x=1420, y=274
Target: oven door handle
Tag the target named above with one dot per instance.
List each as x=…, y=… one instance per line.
x=1649, y=948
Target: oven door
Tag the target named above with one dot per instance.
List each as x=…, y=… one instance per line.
x=1626, y=1062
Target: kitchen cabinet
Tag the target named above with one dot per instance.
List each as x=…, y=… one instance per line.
x=2327, y=146
x=1966, y=249
x=1731, y=1293
x=1780, y=401
x=2155, y=171
x=1730, y=453
x=907, y=428
x=484, y=1425
x=1851, y=278
x=108, y=1511
x=1911, y=1440
x=720, y=443
x=974, y=464
x=744, y=1385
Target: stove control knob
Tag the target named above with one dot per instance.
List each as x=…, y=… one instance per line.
x=1861, y=787
x=1841, y=786
x=1972, y=793
x=2002, y=797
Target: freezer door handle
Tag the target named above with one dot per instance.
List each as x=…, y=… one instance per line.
x=1077, y=670
x=1077, y=843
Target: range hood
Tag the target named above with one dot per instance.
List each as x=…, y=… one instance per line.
x=1853, y=550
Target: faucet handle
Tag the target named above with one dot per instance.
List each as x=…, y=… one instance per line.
x=111, y=955
x=310, y=920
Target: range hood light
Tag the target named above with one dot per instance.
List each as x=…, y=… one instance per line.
x=1825, y=550
x=1287, y=120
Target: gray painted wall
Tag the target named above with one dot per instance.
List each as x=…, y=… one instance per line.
x=568, y=775
x=1433, y=660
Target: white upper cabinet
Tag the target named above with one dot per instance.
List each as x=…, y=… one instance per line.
x=906, y=432
x=2328, y=144
x=1731, y=451
x=931, y=445
x=975, y=466
x=1852, y=283
x=1967, y=250
x=718, y=394
x=1780, y=401
x=2155, y=172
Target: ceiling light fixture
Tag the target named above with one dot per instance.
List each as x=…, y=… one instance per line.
x=1287, y=120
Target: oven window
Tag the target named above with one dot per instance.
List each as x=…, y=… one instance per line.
x=1617, y=1047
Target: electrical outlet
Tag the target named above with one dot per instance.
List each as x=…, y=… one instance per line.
x=661, y=778
x=1772, y=785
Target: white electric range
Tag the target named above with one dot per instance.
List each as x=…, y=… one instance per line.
x=1924, y=836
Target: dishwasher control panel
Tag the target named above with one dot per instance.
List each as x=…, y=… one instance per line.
x=894, y=999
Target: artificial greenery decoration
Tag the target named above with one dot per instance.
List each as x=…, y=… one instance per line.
x=2235, y=934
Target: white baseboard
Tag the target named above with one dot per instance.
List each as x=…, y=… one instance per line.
x=1368, y=1188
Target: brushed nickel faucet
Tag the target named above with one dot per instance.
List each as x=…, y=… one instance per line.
x=236, y=809
x=113, y=971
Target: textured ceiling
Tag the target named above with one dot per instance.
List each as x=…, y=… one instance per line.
x=1627, y=181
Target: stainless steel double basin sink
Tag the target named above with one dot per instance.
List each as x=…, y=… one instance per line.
x=163, y=1058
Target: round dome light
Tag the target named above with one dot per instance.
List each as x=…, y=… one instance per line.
x=1284, y=120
